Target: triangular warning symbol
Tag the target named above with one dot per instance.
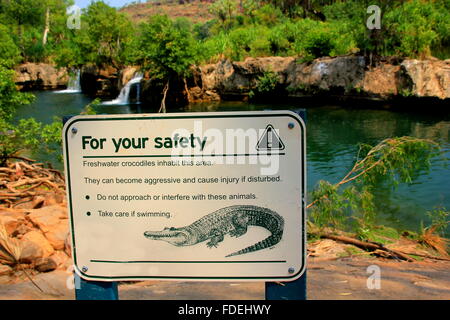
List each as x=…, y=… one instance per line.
x=270, y=140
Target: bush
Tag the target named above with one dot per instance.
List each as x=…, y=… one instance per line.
x=414, y=28
x=281, y=39
x=408, y=28
x=268, y=15
x=265, y=85
x=315, y=39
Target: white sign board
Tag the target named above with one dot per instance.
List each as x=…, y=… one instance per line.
x=192, y=196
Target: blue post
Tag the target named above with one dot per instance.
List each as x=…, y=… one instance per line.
x=294, y=290
x=95, y=290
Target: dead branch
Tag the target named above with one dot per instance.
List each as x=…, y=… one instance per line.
x=21, y=181
x=22, y=158
x=370, y=246
x=423, y=255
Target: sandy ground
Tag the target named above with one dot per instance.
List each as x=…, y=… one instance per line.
x=328, y=278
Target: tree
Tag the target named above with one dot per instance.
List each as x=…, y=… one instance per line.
x=105, y=33
x=10, y=99
x=23, y=17
x=9, y=52
x=167, y=49
x=392, y=161
x=55, y=19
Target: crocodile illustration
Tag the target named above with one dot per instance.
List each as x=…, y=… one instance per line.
x=233, y=220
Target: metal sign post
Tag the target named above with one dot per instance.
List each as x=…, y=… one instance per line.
x=95, y=290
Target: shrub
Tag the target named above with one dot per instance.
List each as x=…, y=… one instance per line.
x=412, y=29
x=315, y=39
x=265, y=85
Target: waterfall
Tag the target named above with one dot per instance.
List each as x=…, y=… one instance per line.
x=124, y=94
x=74, y=85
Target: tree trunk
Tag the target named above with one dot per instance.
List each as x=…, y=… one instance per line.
x=162, y=109
x=47, y=26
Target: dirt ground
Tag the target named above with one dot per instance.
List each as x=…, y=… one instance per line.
x=328, y=278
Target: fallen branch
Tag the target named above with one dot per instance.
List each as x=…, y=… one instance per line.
x=423, y=255
x=370, y=246
x=22, y=158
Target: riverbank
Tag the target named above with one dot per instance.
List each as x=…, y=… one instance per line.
x=342, y=78
x=36, y=244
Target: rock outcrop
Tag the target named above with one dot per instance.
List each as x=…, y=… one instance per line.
x=40, y=76
x=34, y=225
x=343, y=76
x=99, y=81
x=428, y=78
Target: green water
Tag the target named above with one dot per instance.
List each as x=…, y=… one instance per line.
x=333, y=135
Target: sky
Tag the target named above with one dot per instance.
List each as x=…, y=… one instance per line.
x=112, y=3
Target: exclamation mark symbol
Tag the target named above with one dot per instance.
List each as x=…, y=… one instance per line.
x=269, y=138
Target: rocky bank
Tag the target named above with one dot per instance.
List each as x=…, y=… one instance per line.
x=342, y=77
x=40, y=76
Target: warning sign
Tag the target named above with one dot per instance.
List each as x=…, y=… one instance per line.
x=270, y=140
x=193, y=196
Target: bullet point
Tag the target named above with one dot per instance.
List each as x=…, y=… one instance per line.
x=87, y=197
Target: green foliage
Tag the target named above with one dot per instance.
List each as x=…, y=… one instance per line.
x=415, y=28
x=15, y=138
x=51, y=137
x=167, y=47
x=29, y=135
x=89, y=109
x=408, y=28
x=308, y=29
x=293, y=8
x=268, y=15
x=305, y=38
x=27, y=20
x=9, y=52
x=392, y=161
x=379, y=234
x=265, y=85
x=10, y=98
x=10, y=136
x=225, y=12
x=105, y=35
x=68, y=54
x=244, y=42
x=328, y=209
